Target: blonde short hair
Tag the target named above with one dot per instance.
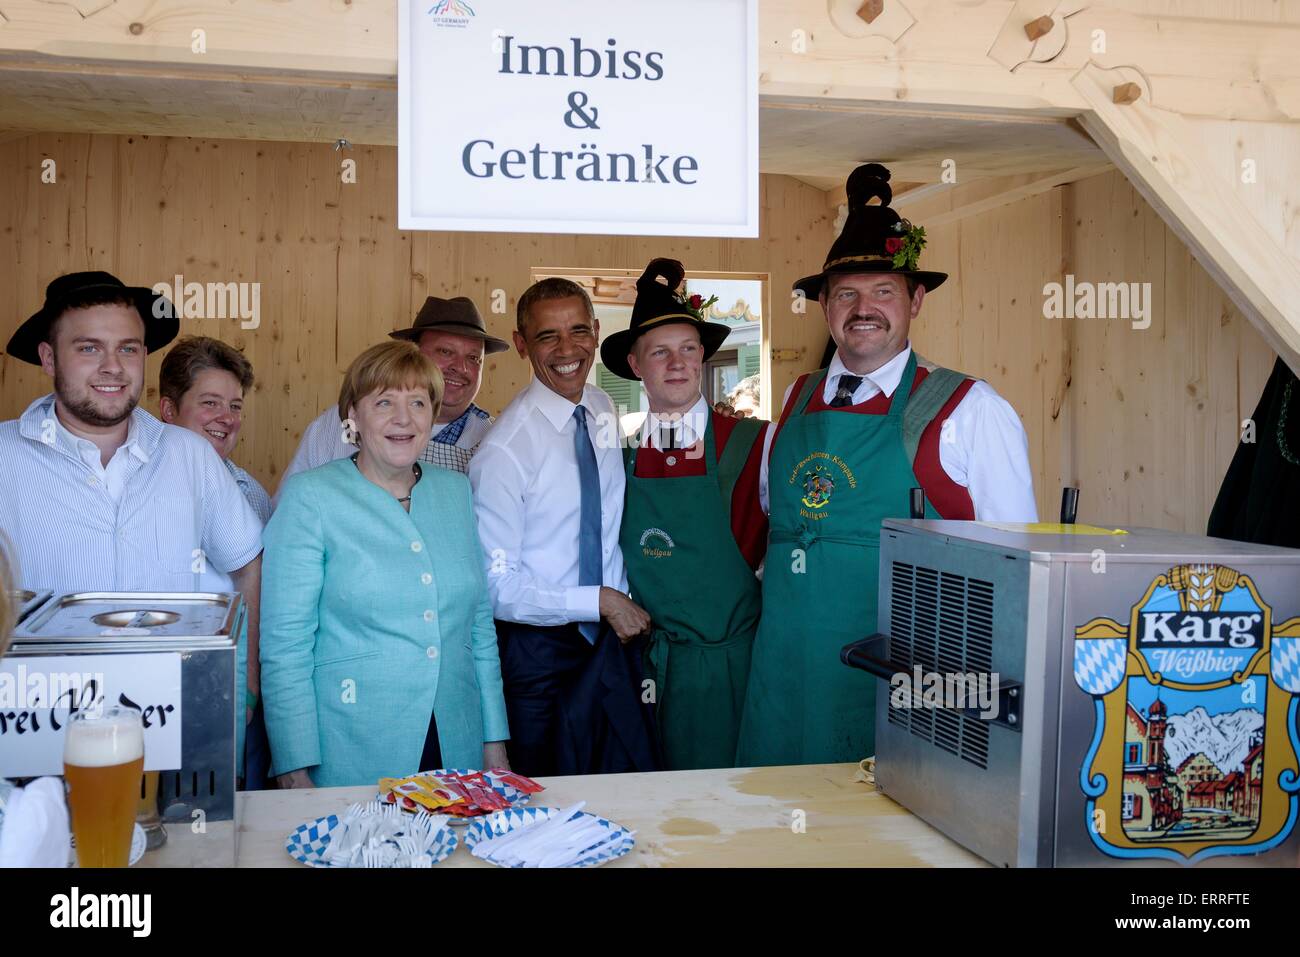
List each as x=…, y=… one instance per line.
x=395, y=364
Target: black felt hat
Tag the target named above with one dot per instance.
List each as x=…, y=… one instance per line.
x=657, y=304
x=161, y=323
x=871, y=233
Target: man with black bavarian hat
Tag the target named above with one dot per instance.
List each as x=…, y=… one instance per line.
x=851, y=443
x=452, y=333
x=98, y=494
x=693, y=531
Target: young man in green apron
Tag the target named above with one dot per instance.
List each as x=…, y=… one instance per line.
x=693, y=530
x=851, y=443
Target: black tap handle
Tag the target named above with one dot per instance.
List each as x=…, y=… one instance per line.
x=917, y=503
x=1069, y=505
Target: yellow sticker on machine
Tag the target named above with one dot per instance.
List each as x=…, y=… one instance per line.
x=1052, y=528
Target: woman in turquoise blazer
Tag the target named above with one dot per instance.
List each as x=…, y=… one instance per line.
x=374, y=618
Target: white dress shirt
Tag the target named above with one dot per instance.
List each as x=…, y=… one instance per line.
x=125, y=460
x=176, y=522
x=688, y=427
x=527, y=502
x=322, y=441
x=985, y=449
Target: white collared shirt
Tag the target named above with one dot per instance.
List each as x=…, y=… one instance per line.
x=985, y=449
x=527, y=502
x=125, y=460
x=177, y=523
x=689, y=427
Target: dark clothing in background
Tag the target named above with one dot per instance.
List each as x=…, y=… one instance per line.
x=1259, y=500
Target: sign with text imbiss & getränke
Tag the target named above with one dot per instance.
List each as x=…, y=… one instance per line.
x=579, y=116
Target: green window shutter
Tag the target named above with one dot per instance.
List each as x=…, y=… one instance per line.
x=750, y=361
x=625, y=393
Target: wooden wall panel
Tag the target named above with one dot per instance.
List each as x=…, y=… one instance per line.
x=986, y=320
x=1159, y=409
x=1144, y=421
x=336, y=274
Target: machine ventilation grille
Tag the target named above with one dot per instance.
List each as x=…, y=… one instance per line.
x=944, y=623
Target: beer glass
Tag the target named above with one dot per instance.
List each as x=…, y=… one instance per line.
x=103, y=759
x=147, y=815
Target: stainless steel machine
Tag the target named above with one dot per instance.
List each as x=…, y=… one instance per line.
x=1063, y=695
x=205, y=630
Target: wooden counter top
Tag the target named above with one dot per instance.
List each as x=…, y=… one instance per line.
x=723, y=818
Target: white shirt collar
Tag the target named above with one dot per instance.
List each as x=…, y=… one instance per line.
x=886, y=378
x=556, y=408
x=693, y=424
x=134, y=443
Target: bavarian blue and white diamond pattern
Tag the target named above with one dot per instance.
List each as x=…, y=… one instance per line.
x=1099, y=664
x=503, y=821
x=308, y=842
x=1285, y=655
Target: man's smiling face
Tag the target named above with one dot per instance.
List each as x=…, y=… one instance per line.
x=559, y=340
x=96, y=357
x=869, y=315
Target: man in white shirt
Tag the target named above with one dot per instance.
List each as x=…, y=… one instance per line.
x=851, y=444
x=452, y=333
x=548, y=495
x=98, y=494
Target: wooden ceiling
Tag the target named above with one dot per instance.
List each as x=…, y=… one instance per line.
x=809, y=140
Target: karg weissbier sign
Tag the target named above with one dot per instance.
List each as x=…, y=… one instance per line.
x=579, y=116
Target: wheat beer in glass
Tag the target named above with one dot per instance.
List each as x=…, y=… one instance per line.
x=103, y=758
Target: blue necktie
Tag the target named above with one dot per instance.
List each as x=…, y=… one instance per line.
x=589, y=551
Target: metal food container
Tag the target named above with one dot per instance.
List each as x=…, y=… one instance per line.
x=205, y=629
x=27, y=600
x=1138, y=700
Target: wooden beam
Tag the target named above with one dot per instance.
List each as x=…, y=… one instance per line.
x=941, y=203
x=1163, y=157
x=941, y=60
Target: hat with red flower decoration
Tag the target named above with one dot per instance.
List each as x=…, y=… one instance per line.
x=658, y=303
x=874, y=238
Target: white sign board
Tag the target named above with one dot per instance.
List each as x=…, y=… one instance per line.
x=38, y=694
x=579, y=116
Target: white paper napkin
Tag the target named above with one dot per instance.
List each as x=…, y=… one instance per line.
x=35, y=831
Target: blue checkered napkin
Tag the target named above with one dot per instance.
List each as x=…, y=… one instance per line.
x=504, y=821
x=308, y=842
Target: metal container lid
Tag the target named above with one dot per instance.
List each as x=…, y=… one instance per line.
x=112, y=617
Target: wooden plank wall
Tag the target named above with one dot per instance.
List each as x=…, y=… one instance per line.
x=336, y=273
x=1145, y=421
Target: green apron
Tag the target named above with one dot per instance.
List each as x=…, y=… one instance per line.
x=833, y=477
x=686, y=570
